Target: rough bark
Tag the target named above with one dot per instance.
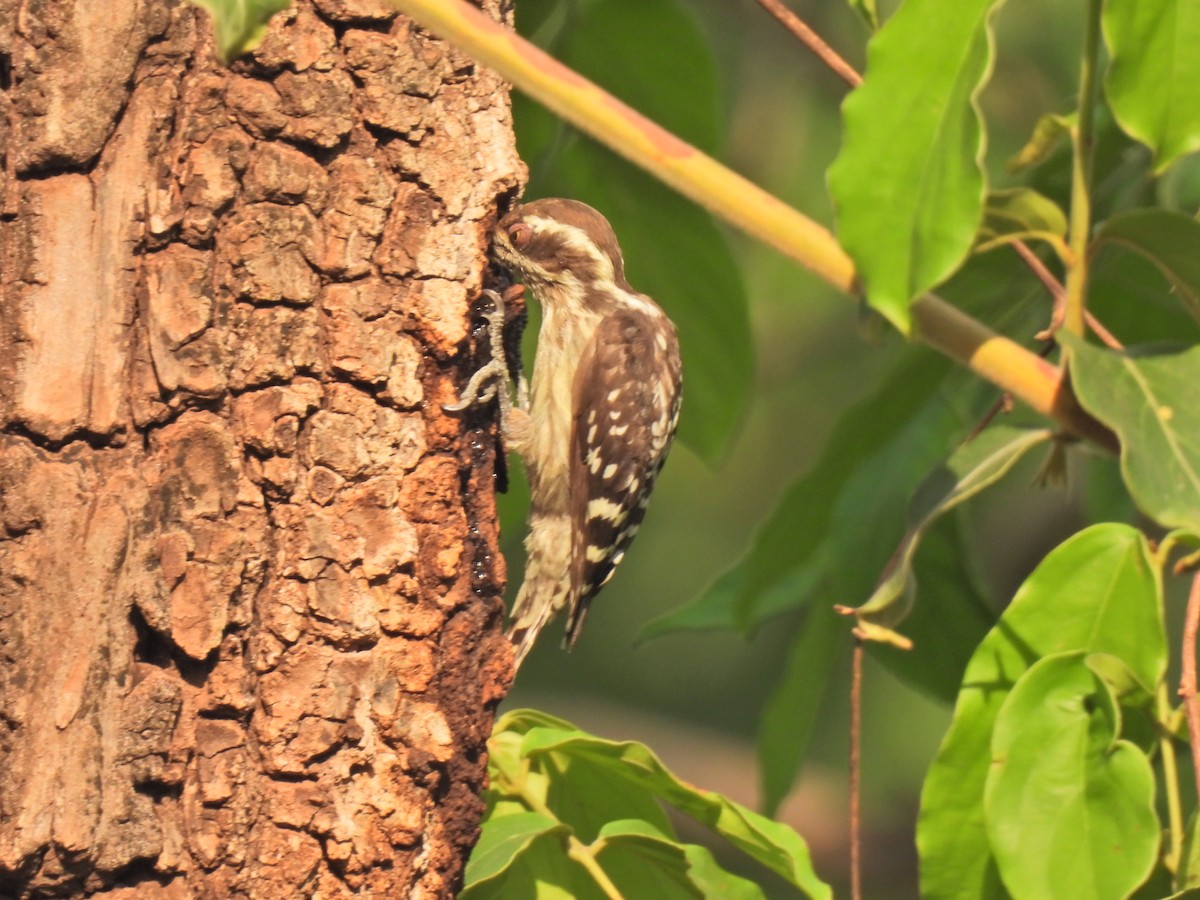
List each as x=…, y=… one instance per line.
x=249, y=586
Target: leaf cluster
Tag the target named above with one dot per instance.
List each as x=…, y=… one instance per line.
x=573, y=815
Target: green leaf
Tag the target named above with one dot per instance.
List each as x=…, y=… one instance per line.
x=1147, y=396
x=1048, y=133
x=1097, y=592
x=240, y=25
x=643, y=862
x=971, y=468
x=790, y=717
x=1168, y=239
x=909, y=182
x=952, y=617
x=770, y=843
x=503, y=839
x=1153, y=82
x=1070, y=807
x=1020, y=214
x=628, y=46
x=715, y=609
x=1130, y=295
x=543, y=871
x=869, y=10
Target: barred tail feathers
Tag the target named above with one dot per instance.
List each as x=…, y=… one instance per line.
x=547, y=585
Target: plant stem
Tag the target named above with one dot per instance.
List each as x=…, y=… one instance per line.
x=1081, y=176
x=582, y=854
x=1166, y=746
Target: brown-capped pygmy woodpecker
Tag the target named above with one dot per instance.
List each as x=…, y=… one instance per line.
x=602, y=408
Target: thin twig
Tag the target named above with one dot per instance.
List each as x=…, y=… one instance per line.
x=1059, y=294
x=812, y=41
x=1003, y=404
x=1109, y=339
x=855, y=772
x=1052, y=285
x=1187, y=680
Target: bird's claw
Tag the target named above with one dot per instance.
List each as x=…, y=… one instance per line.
x=491, y=379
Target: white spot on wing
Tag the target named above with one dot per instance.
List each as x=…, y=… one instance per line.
x=603, y=508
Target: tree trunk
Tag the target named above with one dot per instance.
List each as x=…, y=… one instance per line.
x=249, y=583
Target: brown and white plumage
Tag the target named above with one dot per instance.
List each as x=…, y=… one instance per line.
x=604, y=404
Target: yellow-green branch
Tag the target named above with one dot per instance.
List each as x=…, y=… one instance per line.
x=739, y=201
x=1081, y=177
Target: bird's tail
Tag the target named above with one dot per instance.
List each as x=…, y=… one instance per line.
x=547, y=586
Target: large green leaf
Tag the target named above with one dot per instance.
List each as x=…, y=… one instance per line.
x=240, y=25
x=1070, y=806
x=673, y=250
x=1147, y=395
x=1168, y=239
x=1098, y=592
x=1153, y=83
x=909, y=183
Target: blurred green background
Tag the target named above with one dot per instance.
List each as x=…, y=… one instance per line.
x=696, y=697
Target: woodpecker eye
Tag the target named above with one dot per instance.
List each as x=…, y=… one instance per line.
x=519, y=235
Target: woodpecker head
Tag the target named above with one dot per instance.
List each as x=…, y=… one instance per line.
x=559, y=246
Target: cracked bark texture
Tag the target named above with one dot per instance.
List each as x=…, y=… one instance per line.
x=249, y=584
